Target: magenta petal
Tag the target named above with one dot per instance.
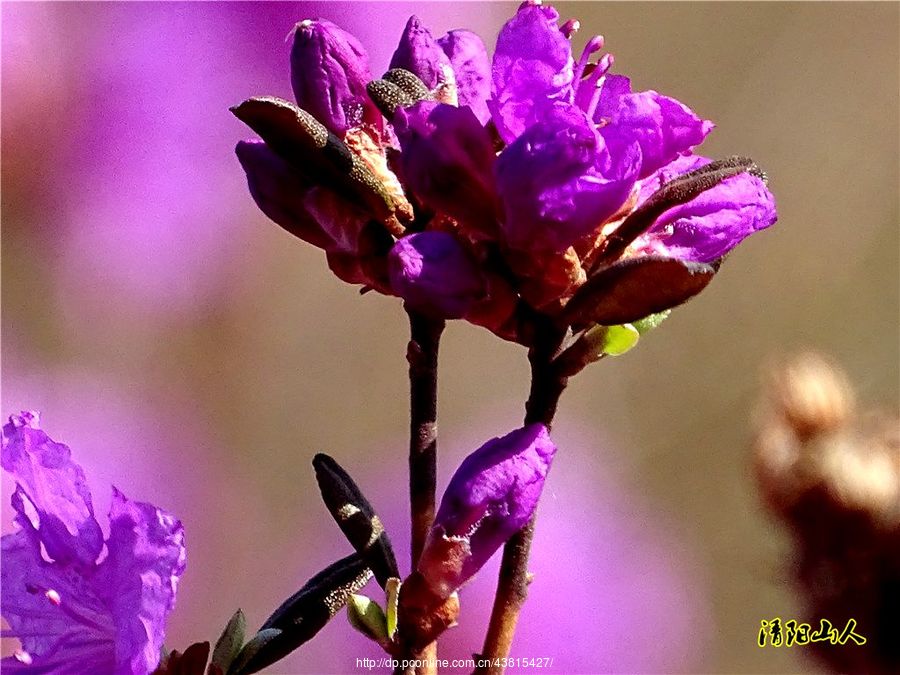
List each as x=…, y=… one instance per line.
x=663, y=127
x=532, y=68
x=329, y=73
x=709, y=226
x=434, y=274
x=71, y=614
x=140, y=577
x=490, y=497
x=55, y=486
x=447, y=161
x=53, y=610
x=472, y=68
x=420, y=54
x=560, y=181
x=278, y=189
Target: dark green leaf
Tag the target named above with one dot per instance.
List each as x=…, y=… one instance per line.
x=304, y=614
x=190, y=662
x=246, y=662
x=356, y=517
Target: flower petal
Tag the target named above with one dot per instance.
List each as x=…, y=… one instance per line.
x=278, y=189
x=560, y=181
x=139, y=579
x=712, y=224
x=56, y=487
x=532, y=68
x=472, y=68
x=663, y=127
x=52, y=609
x=447, y=161
x=435, y=275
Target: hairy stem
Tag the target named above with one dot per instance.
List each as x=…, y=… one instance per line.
x=547, y=385
x=422, y=355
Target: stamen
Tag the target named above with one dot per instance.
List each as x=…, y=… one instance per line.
x=594, y=45
x=570, y=27
x=23, y=657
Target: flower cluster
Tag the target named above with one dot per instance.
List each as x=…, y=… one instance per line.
x=76, y=602
x=487, y=189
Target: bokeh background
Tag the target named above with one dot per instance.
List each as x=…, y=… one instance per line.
x=196, y=355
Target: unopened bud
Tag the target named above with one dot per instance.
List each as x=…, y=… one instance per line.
x=329, y=73
x=366, y=616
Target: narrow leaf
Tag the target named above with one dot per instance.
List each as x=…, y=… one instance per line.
x=392, y=590
x=245, y=662
x=356, y=517
x=305, y=613
x=303, y=142
x=366, y=616
x=229, y=643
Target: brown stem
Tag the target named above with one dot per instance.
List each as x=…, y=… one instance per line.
x=422, y=354
x=547, y=385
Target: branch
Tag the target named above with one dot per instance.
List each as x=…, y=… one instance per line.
x=422, y=355
x=547, y=385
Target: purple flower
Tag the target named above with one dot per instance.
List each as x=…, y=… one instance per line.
x=434, y=274
x=71, y=612
x=420, y=54
x=539, y=182
x=560, y=179
x=710, y=225
x=490, y=497
x=472, y=69
x=329, y=73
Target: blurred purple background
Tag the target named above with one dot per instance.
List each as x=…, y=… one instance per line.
x=197, y=356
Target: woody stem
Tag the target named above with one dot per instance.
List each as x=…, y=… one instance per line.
x=422, y=355
x=547, y=385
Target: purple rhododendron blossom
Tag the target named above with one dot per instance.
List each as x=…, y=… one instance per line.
x=530, y=162
x=329, y=73
x=663, y=127
x=72, y=608
x=491, y=496
x=435, y=275
x=447, y=160
x=420, y=54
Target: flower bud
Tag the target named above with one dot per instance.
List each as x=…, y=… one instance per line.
x=472, y=68
x=491, y=496
x=435, y=275
x=329, y=73
x=420, y=54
